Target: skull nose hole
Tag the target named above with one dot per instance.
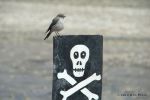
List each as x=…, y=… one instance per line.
x=79, y=63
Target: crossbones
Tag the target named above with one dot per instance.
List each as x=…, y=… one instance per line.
x=80, y=85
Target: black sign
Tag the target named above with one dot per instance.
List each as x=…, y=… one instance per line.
x=77, y=73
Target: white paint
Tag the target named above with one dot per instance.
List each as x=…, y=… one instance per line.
x=85, y=91
x=79, y=55
x=80, y=85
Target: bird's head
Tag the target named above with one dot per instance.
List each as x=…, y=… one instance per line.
x=61, y=15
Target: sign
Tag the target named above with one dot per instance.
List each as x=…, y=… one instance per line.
x=77, y=72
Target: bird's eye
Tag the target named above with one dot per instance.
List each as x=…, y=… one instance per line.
x=76, y=55
x=83, y=54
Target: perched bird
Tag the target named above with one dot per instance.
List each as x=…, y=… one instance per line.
x=56, y=25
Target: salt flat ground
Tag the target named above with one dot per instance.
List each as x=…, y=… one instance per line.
x=26, y=59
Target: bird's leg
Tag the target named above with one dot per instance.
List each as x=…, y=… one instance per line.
x=56, y=34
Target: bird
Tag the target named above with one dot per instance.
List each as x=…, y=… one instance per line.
x=56, y=25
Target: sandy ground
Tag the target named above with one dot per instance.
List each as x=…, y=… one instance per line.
x=26, y=59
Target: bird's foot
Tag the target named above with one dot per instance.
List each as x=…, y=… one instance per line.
x=58, y=34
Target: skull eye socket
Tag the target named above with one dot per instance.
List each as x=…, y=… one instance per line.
x=83, y=54
x=76, y=55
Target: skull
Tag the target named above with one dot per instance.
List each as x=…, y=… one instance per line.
x=79, y=55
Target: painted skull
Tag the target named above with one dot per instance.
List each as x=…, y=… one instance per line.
x=79, y=55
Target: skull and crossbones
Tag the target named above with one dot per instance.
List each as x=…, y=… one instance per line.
x=79, y=55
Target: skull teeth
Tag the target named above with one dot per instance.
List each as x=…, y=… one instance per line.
x=78, y=69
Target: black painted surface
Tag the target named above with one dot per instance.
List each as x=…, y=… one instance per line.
x=61, y=59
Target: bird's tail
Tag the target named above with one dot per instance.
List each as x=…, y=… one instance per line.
x=49, y=33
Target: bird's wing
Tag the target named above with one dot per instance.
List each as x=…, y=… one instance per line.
x=54, y=21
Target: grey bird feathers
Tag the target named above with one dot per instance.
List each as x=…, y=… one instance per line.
x=56, y=25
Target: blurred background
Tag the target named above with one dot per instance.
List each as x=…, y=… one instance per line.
x=26, y=60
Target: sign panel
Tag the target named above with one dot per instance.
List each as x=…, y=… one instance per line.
x=77, y=72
